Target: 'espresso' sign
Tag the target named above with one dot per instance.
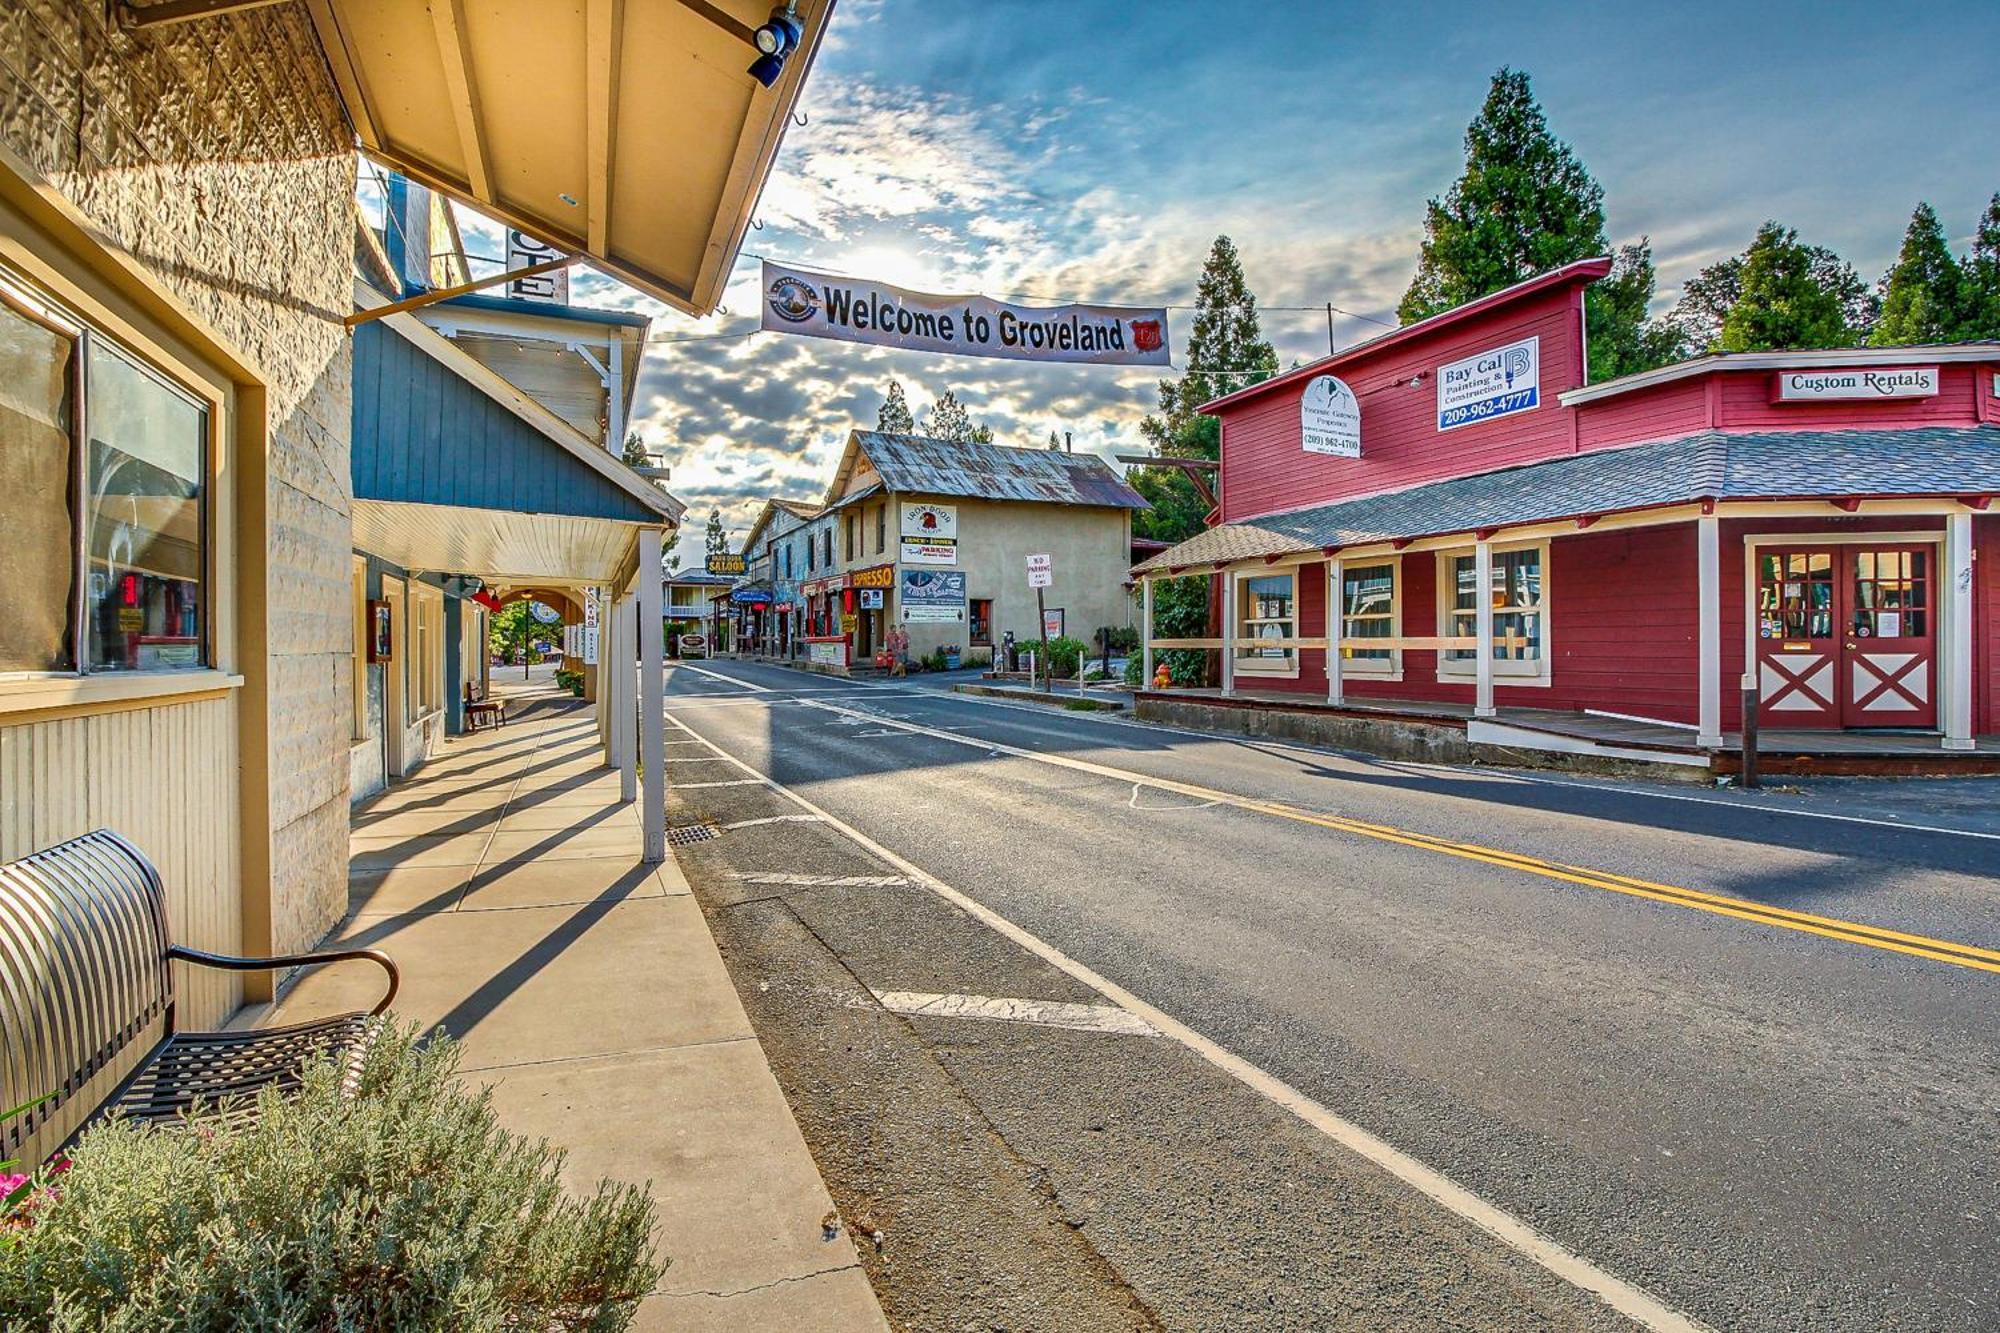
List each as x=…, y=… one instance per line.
x=1817, y=386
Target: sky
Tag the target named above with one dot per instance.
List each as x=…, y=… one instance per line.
x=1086, y=150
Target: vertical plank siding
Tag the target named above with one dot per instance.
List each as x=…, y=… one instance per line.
x=163, y=777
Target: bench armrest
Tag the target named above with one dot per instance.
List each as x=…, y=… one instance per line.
x=230, y=964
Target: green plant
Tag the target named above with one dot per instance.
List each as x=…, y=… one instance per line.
x=1060, y=656
x=404, y=1206
x=14, y=1185
x=569, y=680
x=933, y=660
x=977, y=660
x=1123, y=639
x=1135, y=670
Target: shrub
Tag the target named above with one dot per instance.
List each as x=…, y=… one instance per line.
x=404, y=1207
x=1135, y=668
x=977, y=660
x=1124, y=639
x=569, y=680
x=1061, y=656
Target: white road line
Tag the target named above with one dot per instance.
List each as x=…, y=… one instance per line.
x=731, y=680
x=1629, y=1300
x=771, y=819
x=731, y=782
x=1035, y=1013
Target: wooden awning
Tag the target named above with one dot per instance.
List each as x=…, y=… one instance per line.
x=629, y=131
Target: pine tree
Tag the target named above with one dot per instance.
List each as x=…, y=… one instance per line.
x=717, y=539
x=1226, y=351
x=1620, y=338
x=635, y=454
x=1921, y=292
x=895, y=418
x=1979, y=296
x=1791, y=298
x=948, y=420
x=1525, y=205
x=1705, y=301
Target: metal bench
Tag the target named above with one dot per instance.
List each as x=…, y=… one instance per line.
x=87, y=1003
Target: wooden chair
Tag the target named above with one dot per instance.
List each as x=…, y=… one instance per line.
x=87, y=1003
x=481, y=710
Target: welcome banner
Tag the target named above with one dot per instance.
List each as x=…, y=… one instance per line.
x=820, y=305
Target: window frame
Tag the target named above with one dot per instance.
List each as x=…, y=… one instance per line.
x=1385, y=668
x=1537, y=671
x=1284, y=668
x=68, y=317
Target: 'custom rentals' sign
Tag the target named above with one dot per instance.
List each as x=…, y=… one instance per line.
x=857, y=310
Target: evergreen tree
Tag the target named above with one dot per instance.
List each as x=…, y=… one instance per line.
x=1705, y=301
x=1226, y=351
x=717, y=539
x=1921, y=292
x=1621, y=339
x=948, y=420
x=1525, y=205
x=1791, y=298
x=895, y=418
x=635, y=454
x=1979, y=297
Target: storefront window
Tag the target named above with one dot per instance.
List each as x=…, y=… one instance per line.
x=1367, y=611
x=1264, y=610
x=1890, y=595
x=881, y=528
x=1795, y=595
x=1517, y=605
x=135, y=495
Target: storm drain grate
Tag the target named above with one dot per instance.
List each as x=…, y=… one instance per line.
x=689, y=834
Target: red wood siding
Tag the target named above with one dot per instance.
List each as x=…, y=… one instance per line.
x=1659, y=413
x=1746, y=404
x=1265, y=471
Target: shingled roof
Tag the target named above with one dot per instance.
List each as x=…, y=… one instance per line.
x=1770, y=465
x=920, y=465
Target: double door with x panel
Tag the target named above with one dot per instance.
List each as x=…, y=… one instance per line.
x=1846, y=635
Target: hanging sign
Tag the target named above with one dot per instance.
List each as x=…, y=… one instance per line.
x=1330, y=418
x=525, y=251
x=857, y=310
x=1813, y=386
x=1496, y=383
x=932, y=596
x=930, y=534
x=589, y=637
x=727, y=563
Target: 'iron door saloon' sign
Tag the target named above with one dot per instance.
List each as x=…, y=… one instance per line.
x=856, y=310
x=930, y=534
x=1492, y=384
x=933, y=596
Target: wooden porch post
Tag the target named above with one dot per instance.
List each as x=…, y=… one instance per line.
x=1335, y=625
x=652, y=706
x=1708, y=564
x=1957, y=674
x=1228, y=577
x=1482, y=578
x=625, y=724
x=1146, y=632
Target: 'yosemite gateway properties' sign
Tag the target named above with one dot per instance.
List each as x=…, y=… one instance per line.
x=1496, y=383
x=857, y=310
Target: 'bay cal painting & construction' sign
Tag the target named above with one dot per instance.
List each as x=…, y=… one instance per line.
x=820, y=305
x=1492, y=384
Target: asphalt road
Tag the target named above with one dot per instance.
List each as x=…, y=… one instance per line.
x=1763, y=1122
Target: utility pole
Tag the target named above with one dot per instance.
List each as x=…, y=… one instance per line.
x=1329, y=328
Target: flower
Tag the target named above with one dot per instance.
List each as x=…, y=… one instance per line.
x=11, y=1181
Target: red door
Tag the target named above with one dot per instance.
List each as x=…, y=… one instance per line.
x=1846, y=636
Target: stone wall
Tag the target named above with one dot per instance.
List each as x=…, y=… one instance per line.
x=218, y=153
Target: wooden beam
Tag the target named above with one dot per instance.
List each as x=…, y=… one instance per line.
x=1585, y=520
x=1400, y=542
x=1850, y=503
x=184, y=11
x=1194, y=469
x=446, y=293
x=1483, y=534
x=603, y=26
x=724, y=20
x=1975, y=501
x=448, y=18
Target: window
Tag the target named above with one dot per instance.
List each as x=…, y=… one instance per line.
x=1520, y=598
x=852, y=522
x=427, y=648
x=106, y=553
x=881, y=528
x=826, y=548
x=1369, y=609
x=1264, y=610
x=981, y=622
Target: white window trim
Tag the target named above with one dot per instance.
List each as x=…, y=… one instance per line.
x=1391, y=667
x=1538, y=674
x=1287, y=669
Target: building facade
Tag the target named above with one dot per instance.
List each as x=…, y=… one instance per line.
x=1494, y=534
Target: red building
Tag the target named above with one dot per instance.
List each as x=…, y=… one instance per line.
x=1815, y=524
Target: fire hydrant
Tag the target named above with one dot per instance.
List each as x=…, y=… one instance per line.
x=1162, y=678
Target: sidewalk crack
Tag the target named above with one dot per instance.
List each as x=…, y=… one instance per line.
x=766, y=1286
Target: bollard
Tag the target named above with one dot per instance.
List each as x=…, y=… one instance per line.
x=1748, y=777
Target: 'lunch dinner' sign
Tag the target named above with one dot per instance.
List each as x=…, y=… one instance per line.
x=1817, y=386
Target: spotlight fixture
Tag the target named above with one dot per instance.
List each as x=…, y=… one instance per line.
x=776, y=38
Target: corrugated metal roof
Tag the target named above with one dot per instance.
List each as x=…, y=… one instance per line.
x=920, y=465
x=1766, y=465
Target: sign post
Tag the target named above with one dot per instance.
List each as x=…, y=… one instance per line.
x=1041, y=573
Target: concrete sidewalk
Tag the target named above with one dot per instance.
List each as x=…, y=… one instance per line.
x=586, y=989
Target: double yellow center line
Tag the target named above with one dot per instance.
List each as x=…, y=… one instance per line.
x=1743, y=909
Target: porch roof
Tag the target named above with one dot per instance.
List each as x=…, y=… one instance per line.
x=1712, y=465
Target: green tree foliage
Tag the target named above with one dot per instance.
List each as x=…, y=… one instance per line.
x=1923, y=291
x=1524, y=205
x=715, y=539
x=406, y=1206
x=635, y=454
x=894, y=417
x=1979, y=298
x=948, y=420
x=1792, y=295
x=511, y=629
